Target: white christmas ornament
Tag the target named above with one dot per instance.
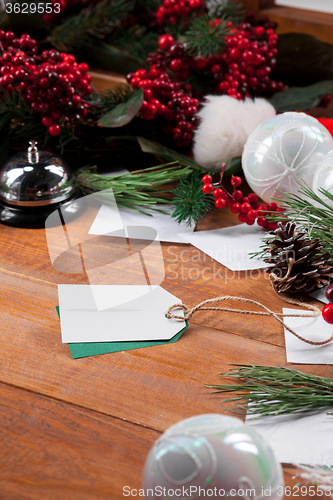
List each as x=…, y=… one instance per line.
x=226, y=123
x=324, y=179
x=212, y=456
x=283, y=151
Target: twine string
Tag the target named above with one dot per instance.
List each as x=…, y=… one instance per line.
x=188, y=312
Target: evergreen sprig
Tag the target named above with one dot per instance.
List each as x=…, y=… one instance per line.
x=190, y=203
x=136, y=190
x=135, y=41
x=89, y=24
x=271, y=391
x=203, y=39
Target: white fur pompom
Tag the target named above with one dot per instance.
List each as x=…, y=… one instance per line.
x=225, y=126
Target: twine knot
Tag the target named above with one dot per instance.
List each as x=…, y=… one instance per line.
x=206, y=305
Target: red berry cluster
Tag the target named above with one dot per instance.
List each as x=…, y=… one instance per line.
x=247, y=207
x=165, y=97
x=244, y=68
x=173, y=11
x=51, y=83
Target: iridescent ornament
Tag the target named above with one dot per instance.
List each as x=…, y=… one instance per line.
x=214, y=456
x=284, y=151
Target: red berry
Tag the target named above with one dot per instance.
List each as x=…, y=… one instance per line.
x=249, y=221
x=253, y=198
x=235, y=208
x=83, y=68
x=220, y=203
x=262, y=222
x=327, y=313
x=245, y=200
x=207, y=179
x=329, y=293
x=236, y=181
x=165, y=42
x=47, y=121
x=247, y=56
x=207, y=188
x=259, y=31
x=218, y=193
x=272, y=207
x=272, y=226
x=54, y=130
x=242, y=217
x=245, y=207
x=237, y=195
x=252, y=214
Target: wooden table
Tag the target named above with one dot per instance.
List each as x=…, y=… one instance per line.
x=81, y=429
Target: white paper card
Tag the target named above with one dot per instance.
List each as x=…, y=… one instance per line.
x=131, y=318
x=230, y=246
x=166, y=226
x=297, y=439
x=315, y=329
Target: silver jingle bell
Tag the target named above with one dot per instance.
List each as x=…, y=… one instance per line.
x=32, y=185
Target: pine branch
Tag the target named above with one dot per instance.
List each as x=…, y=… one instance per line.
x=229, y=10
x=136, y=41
x=137, y=189
x=203, y=39
x=90, y=23
x=276, y=391
x=190, y=203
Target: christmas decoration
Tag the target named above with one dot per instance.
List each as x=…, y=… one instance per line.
x=247, y=207
x=265, y=390
x=300, y=264
x=327, y=313
x=215, y=453
x=329, y=293
x=282, y=151
x=53, y=85
x=34, y=184
x=224, y=127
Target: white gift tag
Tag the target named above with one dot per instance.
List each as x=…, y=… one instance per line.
x=137, y=313
x=231, y=246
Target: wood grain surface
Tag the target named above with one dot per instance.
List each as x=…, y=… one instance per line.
x=82, y=428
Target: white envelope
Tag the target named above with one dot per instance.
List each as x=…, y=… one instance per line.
x=297, y=439
x=135, y=314
x=166, y=226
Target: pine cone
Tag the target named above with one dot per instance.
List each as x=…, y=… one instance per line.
x=300, y=264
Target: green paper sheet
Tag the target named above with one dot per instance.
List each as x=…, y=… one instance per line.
x=84, y=349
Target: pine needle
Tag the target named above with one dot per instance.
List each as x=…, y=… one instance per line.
x=136, y=190
x=190, y=202
x=276, y=391
x=203, y=39
x=93, y=22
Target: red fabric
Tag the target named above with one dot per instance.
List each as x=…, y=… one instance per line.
x=328, y=123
